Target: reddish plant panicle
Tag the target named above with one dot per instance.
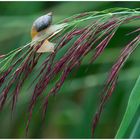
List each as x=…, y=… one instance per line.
x=18, y=76
x=80, y=48
x=71, y=58
x=76, y=44
x=112, y=78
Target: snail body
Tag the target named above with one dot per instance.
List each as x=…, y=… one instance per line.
x=41, y=27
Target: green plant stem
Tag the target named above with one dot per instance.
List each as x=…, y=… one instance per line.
x=108, y=14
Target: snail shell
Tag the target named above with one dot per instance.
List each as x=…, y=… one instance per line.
x=43, y=22
x=42, y=26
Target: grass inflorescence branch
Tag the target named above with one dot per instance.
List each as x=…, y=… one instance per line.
x=76, y=38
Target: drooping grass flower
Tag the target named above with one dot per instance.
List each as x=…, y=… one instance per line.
x=79, y=35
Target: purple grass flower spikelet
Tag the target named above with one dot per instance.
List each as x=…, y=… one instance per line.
x=2, y=56
x=112, y=78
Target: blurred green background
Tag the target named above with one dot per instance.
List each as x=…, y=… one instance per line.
x=70, y=113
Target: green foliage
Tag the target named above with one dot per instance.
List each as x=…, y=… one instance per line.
x=132, y=107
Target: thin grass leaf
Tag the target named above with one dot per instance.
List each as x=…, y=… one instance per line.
x=132, y=107
x=135, y=131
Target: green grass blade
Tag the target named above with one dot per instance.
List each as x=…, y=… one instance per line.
x=132, y=107
x=135, y=132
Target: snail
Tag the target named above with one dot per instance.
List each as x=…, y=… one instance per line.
x=41, y=27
